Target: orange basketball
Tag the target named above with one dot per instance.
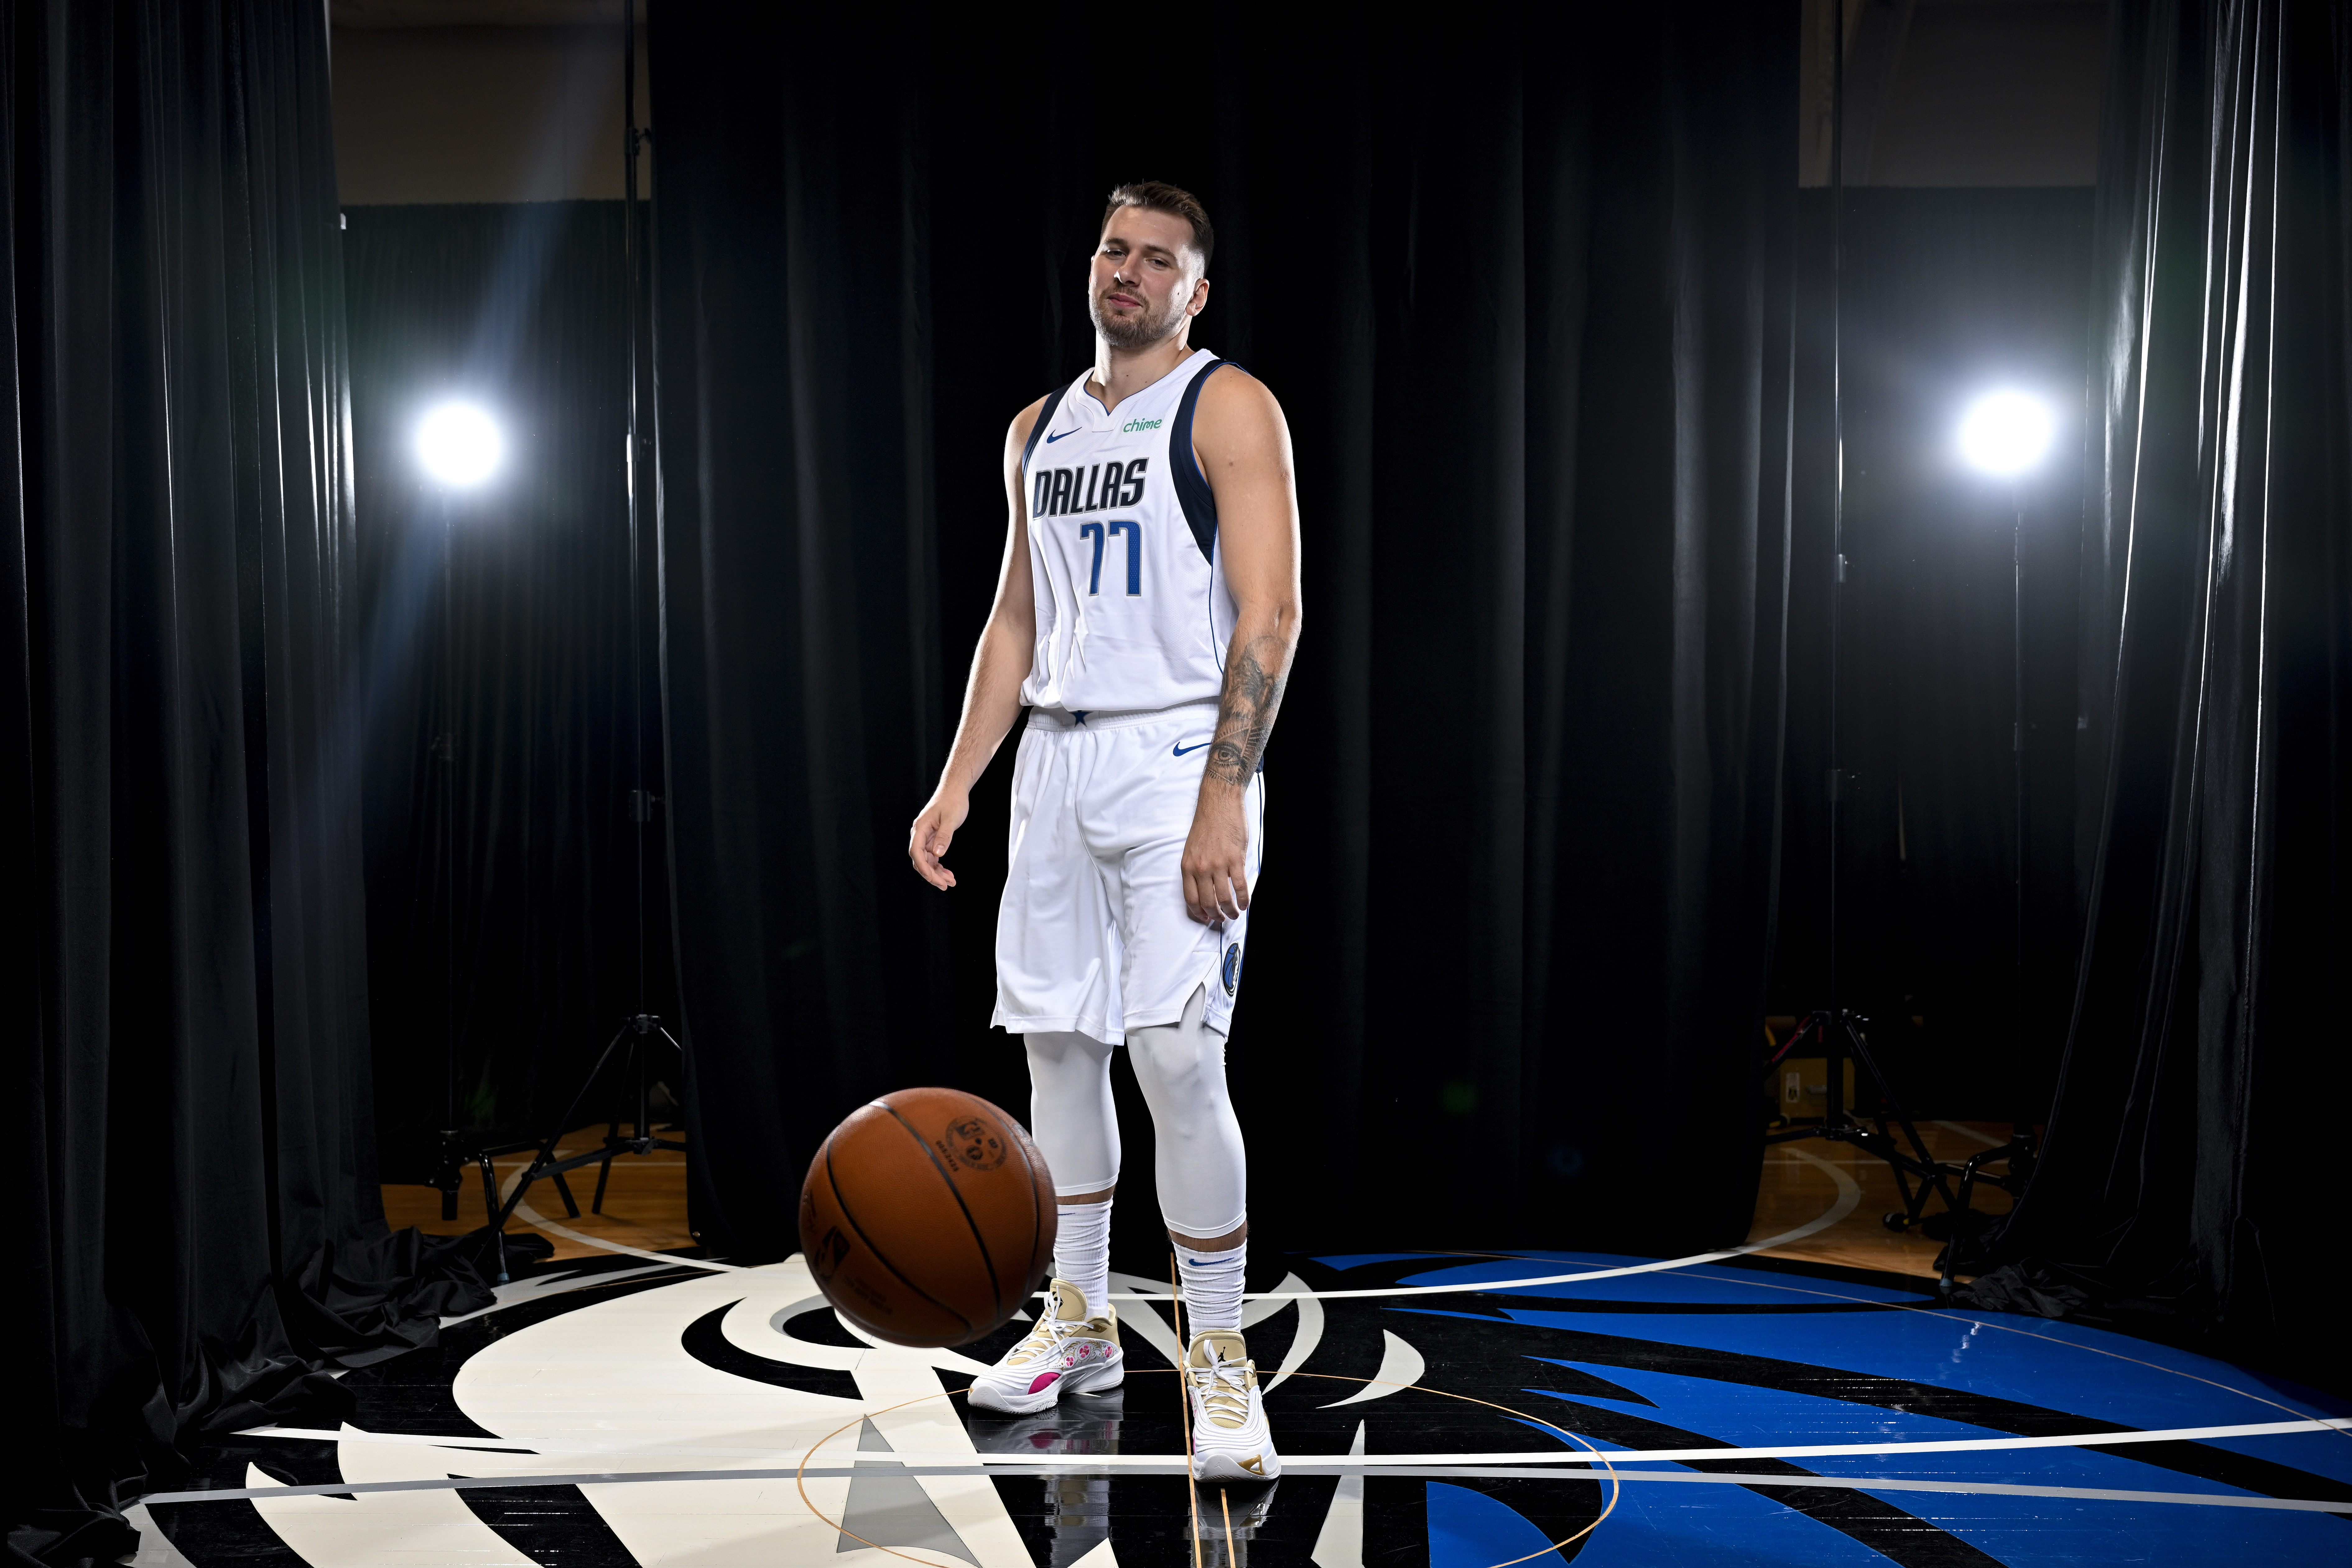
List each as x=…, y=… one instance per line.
x=927, y=1216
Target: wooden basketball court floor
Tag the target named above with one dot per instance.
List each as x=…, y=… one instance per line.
x=1800, y=1400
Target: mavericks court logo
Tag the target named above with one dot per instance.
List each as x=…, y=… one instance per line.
x=1233, y=968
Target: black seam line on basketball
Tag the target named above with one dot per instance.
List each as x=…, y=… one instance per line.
x=987, y=1261
x=843, y=1205
x=2227, y=1466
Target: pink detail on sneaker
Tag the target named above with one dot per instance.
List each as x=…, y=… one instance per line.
x=1042, y=1379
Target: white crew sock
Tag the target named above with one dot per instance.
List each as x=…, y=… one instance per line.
x=1212, y=1287
x=1082, y=1252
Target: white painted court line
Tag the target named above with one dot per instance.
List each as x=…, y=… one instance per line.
x=1162, y=1465
x=529, y=1215
x=1894, y=1451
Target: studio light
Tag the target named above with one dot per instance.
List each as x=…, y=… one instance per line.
x=459, y=445
x=2005, y=432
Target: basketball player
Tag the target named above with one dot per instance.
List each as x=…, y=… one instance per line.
x=1146, y=615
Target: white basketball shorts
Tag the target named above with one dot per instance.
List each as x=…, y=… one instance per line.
x=1092, y=936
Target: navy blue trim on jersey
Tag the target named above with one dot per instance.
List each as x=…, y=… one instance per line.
x=1192, y=485
x=1045, y=417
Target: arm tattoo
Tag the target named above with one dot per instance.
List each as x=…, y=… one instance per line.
x=1246, y=712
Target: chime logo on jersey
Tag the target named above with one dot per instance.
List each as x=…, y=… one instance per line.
x=1090, y=488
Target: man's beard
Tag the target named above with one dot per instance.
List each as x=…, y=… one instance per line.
x=1137, y=331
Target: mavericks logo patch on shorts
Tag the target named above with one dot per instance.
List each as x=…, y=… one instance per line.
x=1233, y=968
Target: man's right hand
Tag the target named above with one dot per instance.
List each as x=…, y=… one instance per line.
x=934, y=830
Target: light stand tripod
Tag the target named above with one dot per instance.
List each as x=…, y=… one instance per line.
x=1840, y=1030
x=454, y=1150
x=2020, y=1150
x=638, y=1033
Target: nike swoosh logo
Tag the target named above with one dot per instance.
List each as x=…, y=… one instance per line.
x=1051, y=439
x=1181, y=749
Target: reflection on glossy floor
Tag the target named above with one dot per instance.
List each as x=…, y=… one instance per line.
x=1541, y=1407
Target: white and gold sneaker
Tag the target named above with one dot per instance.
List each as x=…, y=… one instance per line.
x=1231, y=1442
x=1069, y=1352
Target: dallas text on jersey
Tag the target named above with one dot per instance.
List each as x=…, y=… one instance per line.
x=1092, y=489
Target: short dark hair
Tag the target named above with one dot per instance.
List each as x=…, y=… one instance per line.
x=1158, y=196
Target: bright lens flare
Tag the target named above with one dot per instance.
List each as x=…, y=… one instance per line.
x=2005, y=432
x=459, y=445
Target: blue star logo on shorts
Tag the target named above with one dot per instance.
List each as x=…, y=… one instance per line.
x=1233, y=968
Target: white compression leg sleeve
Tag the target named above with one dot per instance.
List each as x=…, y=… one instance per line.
x=1203, y=1172
x=1070, y=1111
x=1072, y=1118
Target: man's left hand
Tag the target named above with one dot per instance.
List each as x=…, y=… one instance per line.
x=1216, y=859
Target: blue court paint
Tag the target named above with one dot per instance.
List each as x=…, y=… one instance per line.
x=2024, y=1533
x=2321, y=1453
x=1708, y=1526
x=2062, y=1366
x=1698, y=1285
x=1714, y=1527
x=1682, y=1524
x=1746, y=1418
x=1471, y=1530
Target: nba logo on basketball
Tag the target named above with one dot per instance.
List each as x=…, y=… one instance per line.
x=970, y=1145
x=824, y=1260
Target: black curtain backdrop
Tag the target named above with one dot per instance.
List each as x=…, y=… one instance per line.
x=2190, y=1158
x=191, y=1159
x=1523, y=282
x=1948, y=294
x=522, y=310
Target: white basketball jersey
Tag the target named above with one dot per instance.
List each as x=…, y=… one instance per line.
x=1132, y=610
